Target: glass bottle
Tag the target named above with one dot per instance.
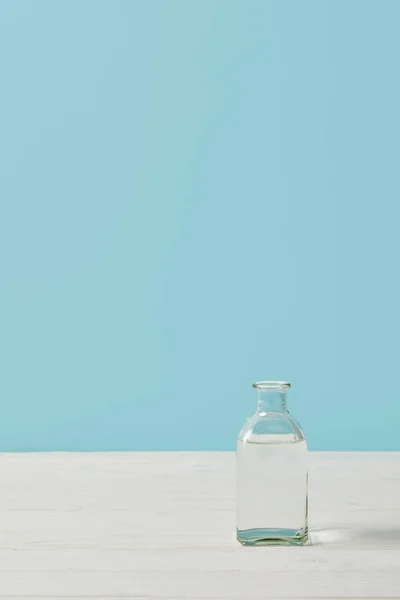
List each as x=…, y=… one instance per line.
x=272, y=505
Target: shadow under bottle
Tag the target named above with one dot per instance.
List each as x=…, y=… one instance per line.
x=272, y=505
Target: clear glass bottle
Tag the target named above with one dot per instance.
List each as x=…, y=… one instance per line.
x=272, y=504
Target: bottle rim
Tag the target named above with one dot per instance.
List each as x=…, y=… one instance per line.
x=271, y=385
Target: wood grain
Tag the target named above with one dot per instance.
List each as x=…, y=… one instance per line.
x=161, y=525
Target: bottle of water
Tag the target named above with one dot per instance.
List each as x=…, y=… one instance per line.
x=272, y=505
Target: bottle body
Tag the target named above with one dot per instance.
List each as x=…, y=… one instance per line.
x=272, y=505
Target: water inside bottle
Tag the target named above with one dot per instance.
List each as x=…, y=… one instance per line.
x=272, y=490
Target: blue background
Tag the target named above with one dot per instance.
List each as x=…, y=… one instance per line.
x=195, y=195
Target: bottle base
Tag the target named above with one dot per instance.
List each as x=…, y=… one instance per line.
x=273, y=537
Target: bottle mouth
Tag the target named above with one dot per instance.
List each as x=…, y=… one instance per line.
x=271, y=385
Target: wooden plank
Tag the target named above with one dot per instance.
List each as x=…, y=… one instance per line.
x=161, y=525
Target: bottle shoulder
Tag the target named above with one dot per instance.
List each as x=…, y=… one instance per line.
x=271, y=427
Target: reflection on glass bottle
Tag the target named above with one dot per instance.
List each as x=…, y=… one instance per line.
x=272, y=505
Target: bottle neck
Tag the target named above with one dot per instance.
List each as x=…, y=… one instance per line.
x=271, y=401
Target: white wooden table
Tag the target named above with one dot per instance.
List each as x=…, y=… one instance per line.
x=161, y=525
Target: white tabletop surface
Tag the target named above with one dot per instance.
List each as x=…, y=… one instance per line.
x=161, y=525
